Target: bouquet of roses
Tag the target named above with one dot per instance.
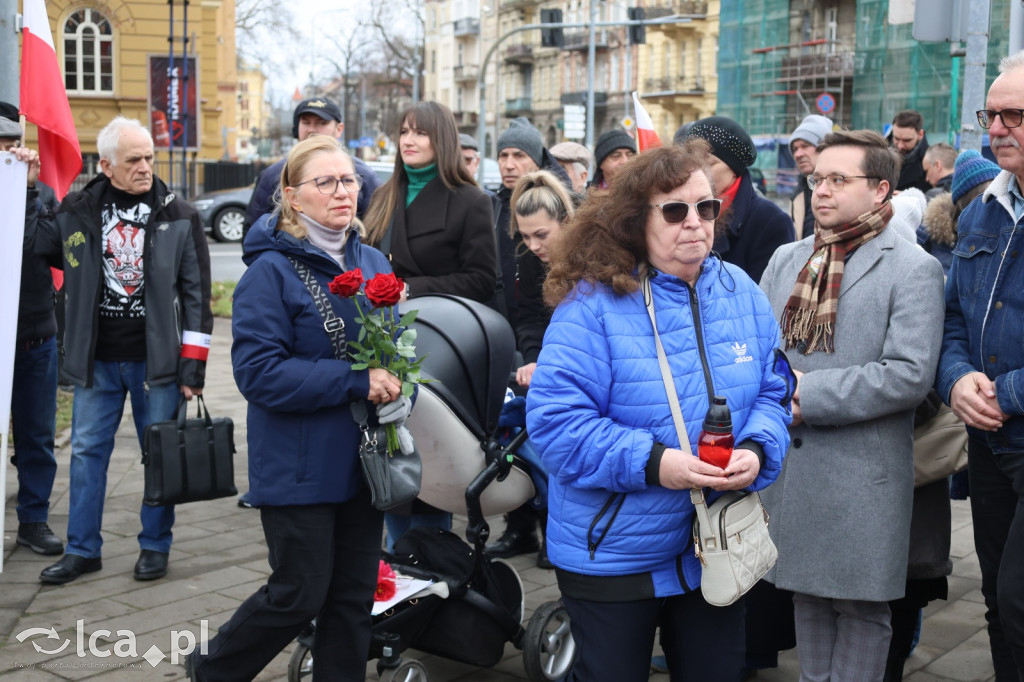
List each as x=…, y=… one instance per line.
x=383, y=342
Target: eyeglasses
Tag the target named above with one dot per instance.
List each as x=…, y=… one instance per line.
x=328, y=184
x=676, y=211
x=835, y=181
x=1011, y=117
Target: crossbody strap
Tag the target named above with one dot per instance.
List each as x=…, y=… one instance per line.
x=666, y=373
x=333, y=325
x=696, y=494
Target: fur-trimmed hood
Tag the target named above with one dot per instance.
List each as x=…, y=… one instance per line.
x=938, y=220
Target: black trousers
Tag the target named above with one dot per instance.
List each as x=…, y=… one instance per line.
x=324, y=560
x=997, y=509
x=614, y=640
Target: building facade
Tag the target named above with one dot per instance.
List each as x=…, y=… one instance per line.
x=106, y=51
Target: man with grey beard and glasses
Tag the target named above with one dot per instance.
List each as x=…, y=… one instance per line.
x=981, y=370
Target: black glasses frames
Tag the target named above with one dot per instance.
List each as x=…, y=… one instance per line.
x=676, y=211
x=1012, y=118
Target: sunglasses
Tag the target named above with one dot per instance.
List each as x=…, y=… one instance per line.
x=676, y=211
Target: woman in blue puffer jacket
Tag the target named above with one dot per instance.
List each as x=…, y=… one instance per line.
x=619, y=526
x=323, y=534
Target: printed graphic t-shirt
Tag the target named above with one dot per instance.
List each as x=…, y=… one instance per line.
x=122, y=309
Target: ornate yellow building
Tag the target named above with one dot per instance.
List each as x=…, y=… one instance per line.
x=678, y=70
x=104, y=49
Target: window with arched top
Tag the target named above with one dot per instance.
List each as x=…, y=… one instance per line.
x=88, y=53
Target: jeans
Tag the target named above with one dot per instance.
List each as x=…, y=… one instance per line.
x=96, y=415
x=997, y=496
x=33, y=413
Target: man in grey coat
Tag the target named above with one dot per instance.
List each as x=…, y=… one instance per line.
x=861, y=312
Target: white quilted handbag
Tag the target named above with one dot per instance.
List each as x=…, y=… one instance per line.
x=731, y=540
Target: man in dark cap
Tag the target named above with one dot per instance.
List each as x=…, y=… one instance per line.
x=314, y=116
x=34, y=407
x=755, y=226
x=470, y=152
x=613, y=148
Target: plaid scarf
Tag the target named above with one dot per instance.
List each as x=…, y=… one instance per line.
x=810, y=314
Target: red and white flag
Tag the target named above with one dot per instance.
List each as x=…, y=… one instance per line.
x=646, y=138
x=44, y=102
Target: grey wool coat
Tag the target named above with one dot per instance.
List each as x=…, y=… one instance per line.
x=840, y=510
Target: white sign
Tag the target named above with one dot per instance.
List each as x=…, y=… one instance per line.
x=574, y=117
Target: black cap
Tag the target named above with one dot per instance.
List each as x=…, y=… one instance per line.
x=9, y=111
x=321, y=106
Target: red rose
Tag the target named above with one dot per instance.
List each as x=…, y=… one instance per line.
x=386, y=587
x=384, y=290
x=347, y=283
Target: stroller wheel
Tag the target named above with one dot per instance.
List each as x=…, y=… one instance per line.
x=548, y=646
x=300, y=666
x=410, y=670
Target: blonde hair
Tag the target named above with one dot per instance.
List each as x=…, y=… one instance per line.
x=539, y=191
x=294, y=168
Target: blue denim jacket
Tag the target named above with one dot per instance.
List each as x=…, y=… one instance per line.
x=984, y=328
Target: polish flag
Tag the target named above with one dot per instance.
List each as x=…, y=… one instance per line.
x=44, y=101
x=646, y=138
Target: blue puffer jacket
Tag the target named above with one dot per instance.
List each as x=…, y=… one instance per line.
x=597, y=405
x=984, y=309
x=302, y=439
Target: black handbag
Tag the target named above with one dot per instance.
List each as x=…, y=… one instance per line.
x=188, y=460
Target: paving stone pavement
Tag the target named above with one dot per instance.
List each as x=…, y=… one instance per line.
x=219, y=558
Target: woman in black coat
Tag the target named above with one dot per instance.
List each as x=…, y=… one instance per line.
x=435, y=225
x=430, y=217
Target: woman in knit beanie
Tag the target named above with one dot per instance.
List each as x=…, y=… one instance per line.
x=750, y=227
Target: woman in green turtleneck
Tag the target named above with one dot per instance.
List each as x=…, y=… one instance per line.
x=434, y=223
x=430, y=218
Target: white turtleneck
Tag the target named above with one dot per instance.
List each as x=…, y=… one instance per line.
x=331, y=241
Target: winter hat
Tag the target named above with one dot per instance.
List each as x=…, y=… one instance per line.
x=812, y=130
x=8, y=111
x=321, y=106
x=908, y=213
x=521, y=134
x=682, y=133
x=467, y=141
x=609, y=141
x=728, y=140
x=10, y=129
x=971, y=169
x=571, y=152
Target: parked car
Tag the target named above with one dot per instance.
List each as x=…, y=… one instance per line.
x=223, y=212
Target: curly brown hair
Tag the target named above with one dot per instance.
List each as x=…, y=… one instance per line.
x=606, y=241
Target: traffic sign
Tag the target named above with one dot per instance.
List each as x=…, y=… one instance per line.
x=353, y=144
x=626, y=122
x=826, y=103
x=366, y=141
x=575, y=117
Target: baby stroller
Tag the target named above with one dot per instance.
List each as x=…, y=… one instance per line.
x=475, y=604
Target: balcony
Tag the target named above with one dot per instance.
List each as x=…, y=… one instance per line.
x=816, y=66
x=520, y=53
x=520, y=106
x=580, y=40
x=508, y=5
x=464, y=119
x=686, y=8
x=468, y=26
x=465, y=72
x=600, y=98
x=669, y=87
